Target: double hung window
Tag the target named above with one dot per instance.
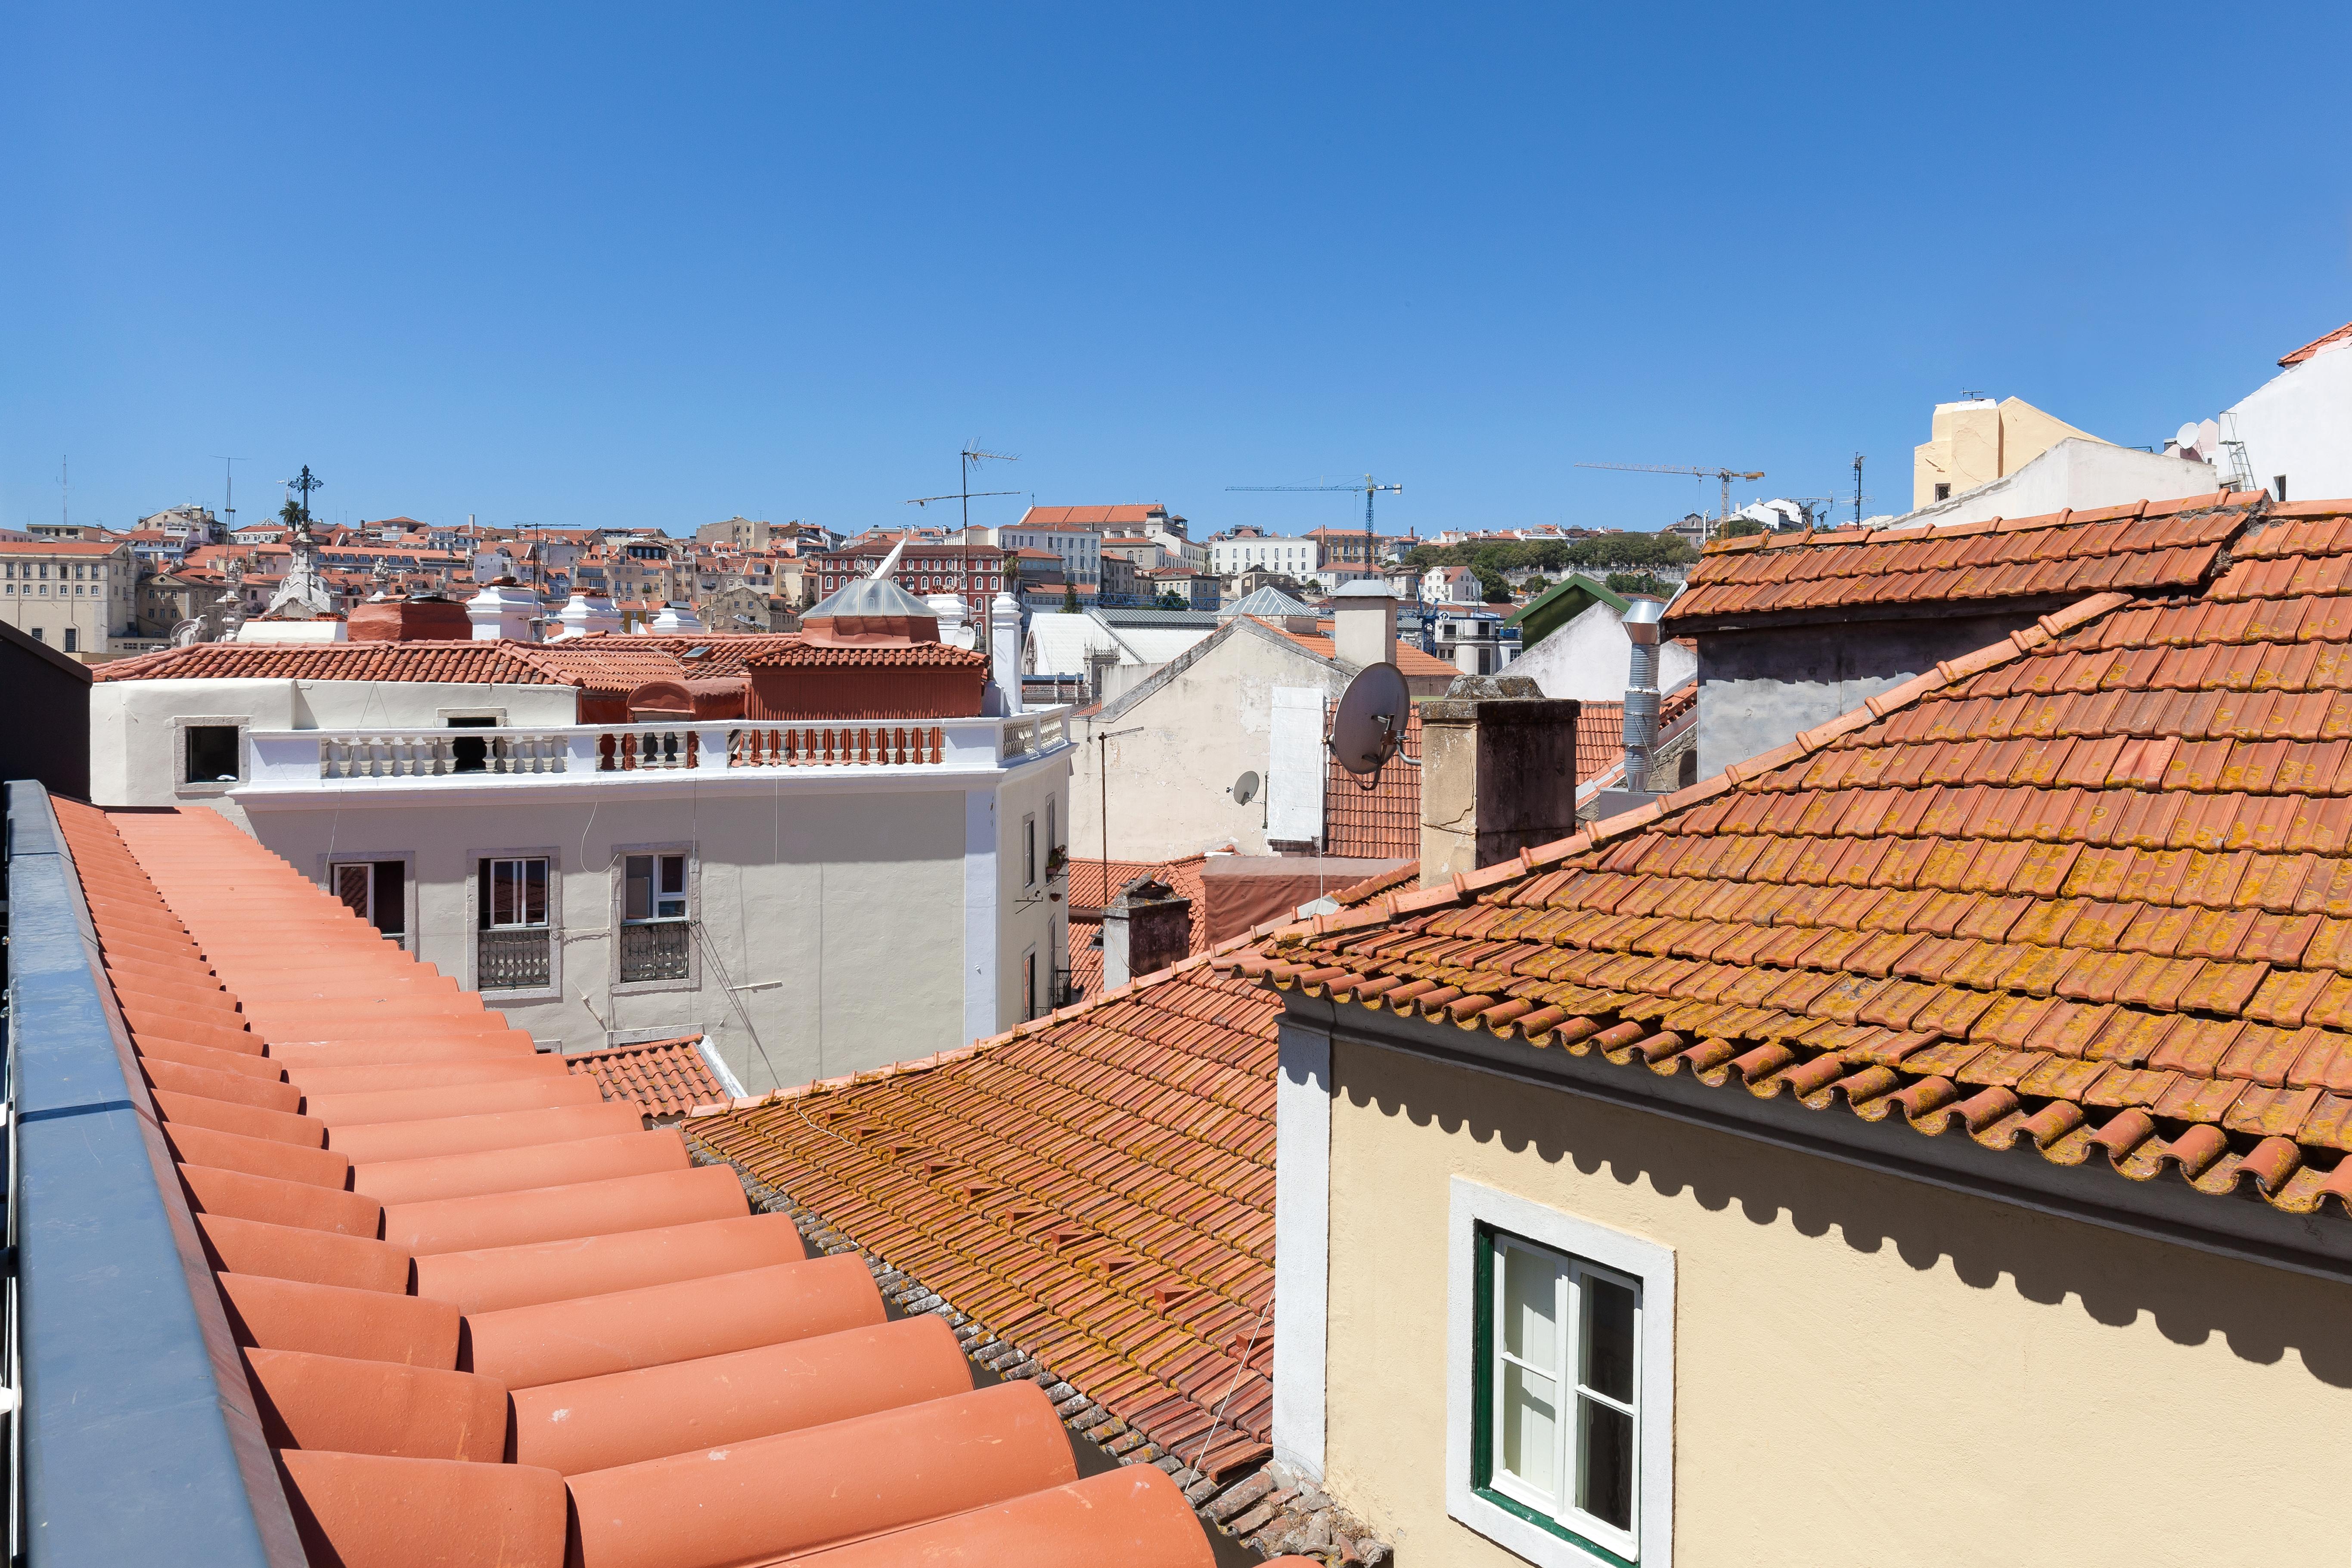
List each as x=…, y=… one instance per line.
x=654, y=934
x=513, y=934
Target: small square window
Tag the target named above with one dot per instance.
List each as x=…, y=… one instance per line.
x=1943, y=492
x=212, y=747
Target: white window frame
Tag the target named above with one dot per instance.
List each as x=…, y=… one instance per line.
x=553, y=855
x=1473, y=1206
x=692, y=981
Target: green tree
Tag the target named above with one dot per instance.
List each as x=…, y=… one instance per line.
x=291, y=513
x=1640, y=582
x=1738, y=529
x=1535, y=586
x=1171, y=600
x=1069, y=599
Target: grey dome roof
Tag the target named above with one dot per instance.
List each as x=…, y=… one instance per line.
x=871, y=596
x=1267, y=601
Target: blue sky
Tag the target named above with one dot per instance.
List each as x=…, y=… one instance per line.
x=657, y=266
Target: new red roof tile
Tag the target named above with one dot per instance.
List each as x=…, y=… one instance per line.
x=535, y=1239
x=665, y=1077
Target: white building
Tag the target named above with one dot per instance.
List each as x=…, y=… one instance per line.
x=1080, y=550
x=817, y=892
x=2295, y=429
x=76, y=595
x=1300, y=558
x=1450, y=585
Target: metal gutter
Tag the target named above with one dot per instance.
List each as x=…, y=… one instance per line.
x=141, y=1442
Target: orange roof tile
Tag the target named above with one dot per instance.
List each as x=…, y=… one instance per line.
x=381, y=1173
x=1409, y=659
x=2145, y=547
x=470, y=664
x=665, y=1077
x=2089, y=889
x=1096, y=1186
x=1087, y=897
x=2324, y=341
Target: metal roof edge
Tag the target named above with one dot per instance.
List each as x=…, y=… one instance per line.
x=141, y=1440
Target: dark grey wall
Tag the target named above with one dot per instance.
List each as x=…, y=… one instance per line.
x=1757, y=688
x=46, y=734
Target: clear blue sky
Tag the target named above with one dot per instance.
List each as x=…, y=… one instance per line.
x=660, y=265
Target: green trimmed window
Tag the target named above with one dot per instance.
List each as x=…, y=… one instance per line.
x=1556, y=1396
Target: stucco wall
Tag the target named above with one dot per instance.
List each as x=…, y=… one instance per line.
x=1757, y=688
x=1868, y=1371
x=1589, y=659
x=2076, y=474
x=2294, y=424
x=133, y=760
x=841, y=916
x=1205, y=725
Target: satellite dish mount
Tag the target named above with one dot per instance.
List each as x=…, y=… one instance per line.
x=1367, y=727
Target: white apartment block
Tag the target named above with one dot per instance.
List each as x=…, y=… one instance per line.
x=1298, y=557
x=1080, y=550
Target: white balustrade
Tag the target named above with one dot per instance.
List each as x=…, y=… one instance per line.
x=282, y=758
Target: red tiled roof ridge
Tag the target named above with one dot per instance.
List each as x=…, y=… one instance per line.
x=1854, y=534
x=596, y=1052
x=2296, y=356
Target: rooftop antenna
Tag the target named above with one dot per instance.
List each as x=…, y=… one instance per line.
x=969, y=455
x=1857, y=489
x=1368, y=487
x=65, y=495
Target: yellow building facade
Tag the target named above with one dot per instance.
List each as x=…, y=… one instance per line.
x=1981, y=440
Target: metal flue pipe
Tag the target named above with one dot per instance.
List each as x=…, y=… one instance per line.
x=1641, y=621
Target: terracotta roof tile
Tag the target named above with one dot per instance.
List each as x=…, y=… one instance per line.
x=1096, y=1186
x=664, y=1077
x=2103, y=868
x=2167, y=546
x=380, y=1171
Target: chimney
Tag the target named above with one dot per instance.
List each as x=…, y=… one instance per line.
x=1497, y=773
x=1146, y=928
x=1005, y=650
x=1641, y=621
x=1363, y=623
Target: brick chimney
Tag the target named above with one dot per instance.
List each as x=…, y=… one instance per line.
x=1363, y=623
x=1146, y=928
x=1497, y=773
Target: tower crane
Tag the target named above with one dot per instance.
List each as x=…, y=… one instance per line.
x=1368, y=487
x=1726, y=475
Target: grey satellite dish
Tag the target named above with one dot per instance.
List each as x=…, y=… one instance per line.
x=1245, y=789
x=1370, y=724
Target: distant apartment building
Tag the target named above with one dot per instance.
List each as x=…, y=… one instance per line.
x=1078, y=548
x=813, y=850
x=74, y=595
x=975, y=570
x=1248, y=550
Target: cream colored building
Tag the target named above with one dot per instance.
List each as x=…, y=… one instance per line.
x=861, y=903
x=76, y=595
x=1979, y=439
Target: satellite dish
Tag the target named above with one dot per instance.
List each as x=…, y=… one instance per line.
x=1370, y=724
x=1245, y=789
x=2186, y=437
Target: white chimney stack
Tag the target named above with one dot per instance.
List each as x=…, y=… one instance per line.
x=1363, y=623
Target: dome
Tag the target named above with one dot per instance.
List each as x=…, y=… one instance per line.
x=870, y=596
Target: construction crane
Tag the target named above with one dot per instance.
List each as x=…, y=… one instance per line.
x=1726, y=475
x=1369, y=488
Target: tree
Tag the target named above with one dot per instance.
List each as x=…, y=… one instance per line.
x=1738, y=529
x=290, y=514
x=1171, y=600
x=1537, y=586
x=1069, y=599
x=1640, y=582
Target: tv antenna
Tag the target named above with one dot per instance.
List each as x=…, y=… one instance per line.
x=1368, y=727
x=229, y=483
x=1370, y=488
x=1102, y=774
x=1857, y=489
x=1726, y=475
x=970, y=455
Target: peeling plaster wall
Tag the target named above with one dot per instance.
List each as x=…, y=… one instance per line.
x=1869, y=1372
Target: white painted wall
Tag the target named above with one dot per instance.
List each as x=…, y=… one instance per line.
x=2299, y=423
x=1205, y=719
x=134, y=749
x=2076, y=474
x=1589, y=659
